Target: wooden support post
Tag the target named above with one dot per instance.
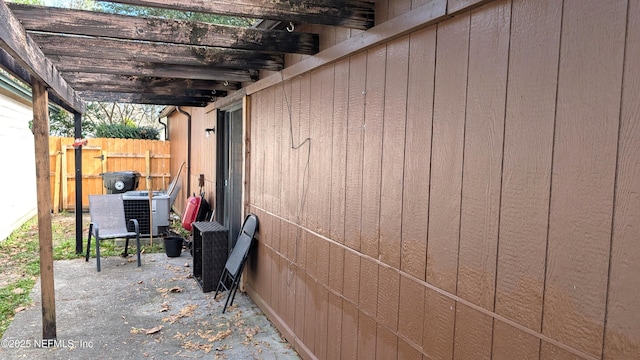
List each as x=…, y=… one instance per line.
x=77, y=118
x=57, y=182
x=147, y=158
x=41, y=140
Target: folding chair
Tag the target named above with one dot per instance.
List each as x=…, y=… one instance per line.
x=108, y=222
x=232, y=272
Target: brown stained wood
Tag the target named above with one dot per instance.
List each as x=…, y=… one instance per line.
x=398, y=7
x=295, y=170
x=368, y=298
x=473, y=334
x=267, y=138
x=336, y=267
x=287, y=205
x=535, y=37
x=551, y=352
x=322, y=321
x=127, y=68
x=388, y=297
x=439, y=319
x=323, y=261
x=256, y=152
x=622, y=333
x=349, y=344
x=140, y=98
x=26, y=55
x=415, y=197
x=584, y=164
x=339, y=151
x=454, y=6
x=423, y=16
x=382, y=11
x=407, y=352
x=304, y=152
x=386, y=344
x=310, y=316
x=144, y=84
x=325, y=145
x=372, y=155
x=347, y=13
x=334, y=327
x=410, y=310
x=280, y=135
x=317, y=173
x=63, y=46
x=351, y=283
x=447, y=152
x=299, y=304
x=355, y=145
x=41, y=143
x=511, y=343
x=393, y=140
x=290, y=290
x=92, y=23
x=366, y=335
x=482, y=169
x=311, y=241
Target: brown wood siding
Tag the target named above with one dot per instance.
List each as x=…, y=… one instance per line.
x=468, y=190
x=623, y=318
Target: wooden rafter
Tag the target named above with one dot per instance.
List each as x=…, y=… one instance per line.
x=140, y=98
x=121, y=83
x=103, y=48
x=357, y=14
x=131, y=68
x=79, y=22
x=26, y=53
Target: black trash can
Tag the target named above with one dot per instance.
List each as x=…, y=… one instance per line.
x=118, y=182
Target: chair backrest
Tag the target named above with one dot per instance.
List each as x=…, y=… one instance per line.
x=238, y=254
x=250, y=225
x=243, y=244
x=108, y=212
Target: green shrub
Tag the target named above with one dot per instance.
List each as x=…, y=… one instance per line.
x=126, y=131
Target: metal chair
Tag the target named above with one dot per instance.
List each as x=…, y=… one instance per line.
x=232, y=272
x=108, y=222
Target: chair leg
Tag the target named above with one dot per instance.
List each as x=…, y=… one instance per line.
x=138, y=249
x=126, y=247
x=98, y=253
x=86, y=258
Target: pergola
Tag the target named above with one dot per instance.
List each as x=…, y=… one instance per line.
x=72, y=56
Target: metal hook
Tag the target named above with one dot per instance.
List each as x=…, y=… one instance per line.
x=290, y=28
x=225, y=83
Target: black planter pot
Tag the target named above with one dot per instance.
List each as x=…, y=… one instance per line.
x=173, y=246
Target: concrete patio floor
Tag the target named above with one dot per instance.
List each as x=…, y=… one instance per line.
x=156, y=311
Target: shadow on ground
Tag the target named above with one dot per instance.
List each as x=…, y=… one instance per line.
x=153, y=312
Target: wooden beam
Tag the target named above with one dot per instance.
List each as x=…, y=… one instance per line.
x=41, y=143
x=92, y=81
x=357, y=14
x=10, y=65
x=128, y=68
x=151, y=91
x=138, y=98
x=80, y=22
x=26, y=53
x=63, y=46
x=418, y=18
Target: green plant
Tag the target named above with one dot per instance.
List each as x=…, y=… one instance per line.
x=126, y=131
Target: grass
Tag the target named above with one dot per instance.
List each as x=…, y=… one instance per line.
x=20, y=260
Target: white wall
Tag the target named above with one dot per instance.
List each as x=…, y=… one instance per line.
x=18, y=197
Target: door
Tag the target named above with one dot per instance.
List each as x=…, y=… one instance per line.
x=230, y=170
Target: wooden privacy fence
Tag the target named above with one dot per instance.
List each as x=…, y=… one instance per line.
x=105, y=155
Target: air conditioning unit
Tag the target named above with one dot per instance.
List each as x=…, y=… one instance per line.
x=136, y=206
